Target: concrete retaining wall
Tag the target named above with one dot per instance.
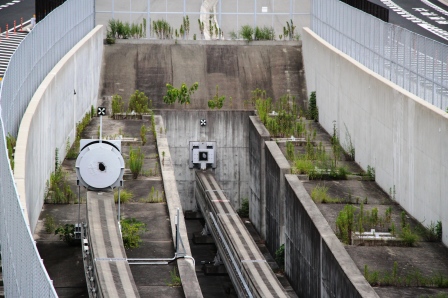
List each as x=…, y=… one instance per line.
x=276, y=168
x=51, y=116
x=258, y=135
x=316, y=262
x=403, y=137
x=230, y=131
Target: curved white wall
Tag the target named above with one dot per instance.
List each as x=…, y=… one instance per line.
x=400, y=135
x=51, y=117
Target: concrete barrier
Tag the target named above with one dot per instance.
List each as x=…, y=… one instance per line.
x=316, y=262
x=187, y=271
x=276, y=168
x=62, y=99
x=397, y=133
x=258, y=135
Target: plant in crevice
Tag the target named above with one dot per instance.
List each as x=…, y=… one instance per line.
x=217, y=101
x=136, y=158
x=67, y=234
x=11, y=146
x=175, y=279
x=57, y=187
x=244, y=210
x=143, y=131
x=280, y=256
x=181, y=95
x=313, y=111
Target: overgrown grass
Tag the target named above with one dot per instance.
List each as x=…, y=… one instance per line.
x=50, y=224
x=125, y=196
x=58, y=190
x=411, y=278
x=175, y=279
x=136, y=158
x=319, y=194
x=132, y=229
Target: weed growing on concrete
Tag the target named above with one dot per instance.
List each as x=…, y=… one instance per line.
x=181, y=95
x=344, y=224
x=349, y=148
x=313, y=111
x=175, y=279
x=143, y=131
x=125, y=196
x=217, y=101
x=407, y=236
x=154, y=196
x=70, y=151
x=290, y=151
x=58, y=189
x=50, y=224
x=319, y=194
x=432, y=232
x=131, y=230
x=411, y=278
x=117, y=104
x=67, y=234
x=136, y=158
x=247, y=32
x=11, y=146
x=280, y=257
x=244, y=210
x=138, y=103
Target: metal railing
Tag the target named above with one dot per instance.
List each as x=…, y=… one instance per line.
x=24, y=274
x=414, y=62
x=228, y=15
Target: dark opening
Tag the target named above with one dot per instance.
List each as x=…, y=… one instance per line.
x=101, y=167
x=203, y=156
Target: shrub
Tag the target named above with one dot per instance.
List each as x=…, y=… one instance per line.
x=303, y=166
x=313, y=112
x=67, y=234
x=125, y=196
x=135, y=161
x=244, y=210
x=138, y=102
x=117, y=104
x=247, y=32
x=132, y=229
x=407, y=236
x=280, y=256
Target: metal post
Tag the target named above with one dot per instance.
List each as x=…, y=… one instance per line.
x=101, y=129
x=119, y=205
x=79, y=205
x=255, y=14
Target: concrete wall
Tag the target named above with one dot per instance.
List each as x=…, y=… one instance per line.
x=229, y=129
x=258, y=135
x=51, y=117
x=235, y=66
x=276, y=168
x=316, y=262
x=403, y=137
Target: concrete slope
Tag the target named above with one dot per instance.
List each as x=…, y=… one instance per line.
x=235, y=66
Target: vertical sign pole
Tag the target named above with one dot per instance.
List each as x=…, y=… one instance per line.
x=101, y=128
x=118, y=204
